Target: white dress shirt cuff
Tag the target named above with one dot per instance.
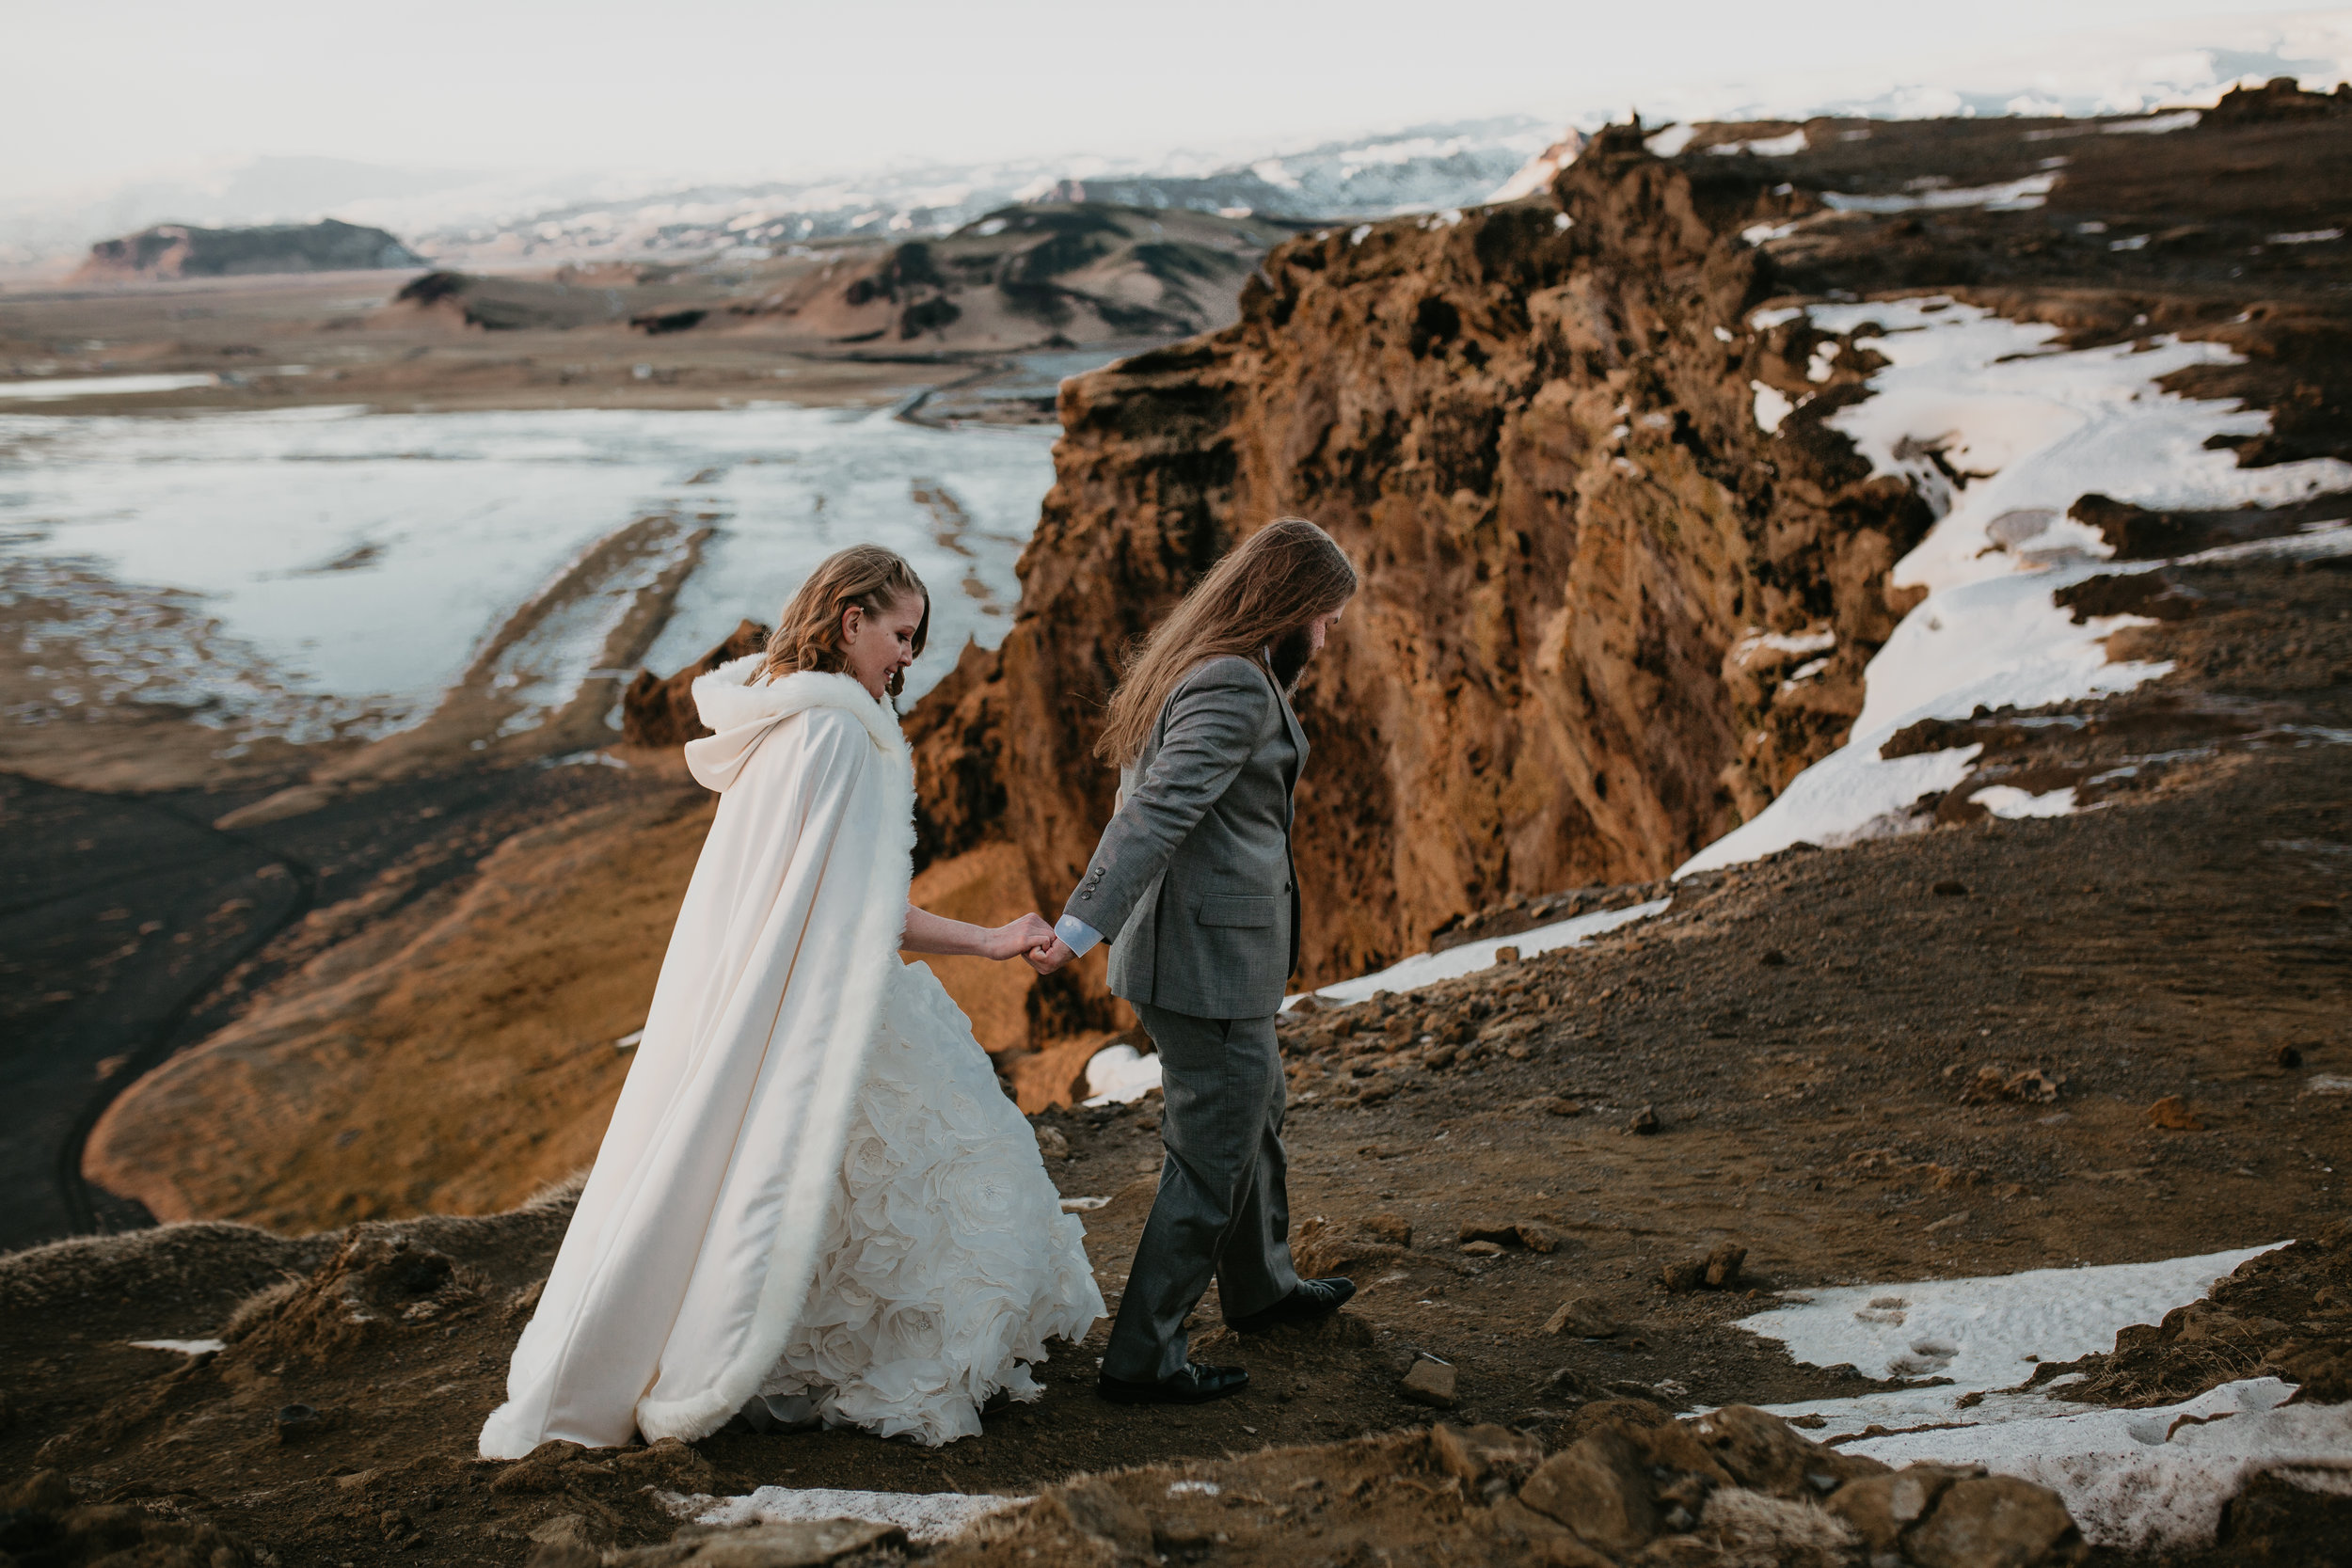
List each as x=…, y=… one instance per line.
x=1076, y=934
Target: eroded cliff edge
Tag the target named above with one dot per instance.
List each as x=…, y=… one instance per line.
x=1532, y=427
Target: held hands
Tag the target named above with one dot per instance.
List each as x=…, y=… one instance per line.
x=1052, y=956
x=1021, y=939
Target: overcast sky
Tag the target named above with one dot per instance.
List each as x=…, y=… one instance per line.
x=92, y=92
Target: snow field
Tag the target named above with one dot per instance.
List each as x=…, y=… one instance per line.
x=2136, y=1480
x=2030, y=429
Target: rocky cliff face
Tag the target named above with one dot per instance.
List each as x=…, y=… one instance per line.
x=1622, y=575
x=1604, y=616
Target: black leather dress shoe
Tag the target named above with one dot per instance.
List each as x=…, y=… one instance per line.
x=1194, y=1385
x=1312, y=1299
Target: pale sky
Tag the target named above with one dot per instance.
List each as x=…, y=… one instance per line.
x=94, y=92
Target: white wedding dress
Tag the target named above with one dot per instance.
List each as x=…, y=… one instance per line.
x=811, y=1185
x=949, y=1261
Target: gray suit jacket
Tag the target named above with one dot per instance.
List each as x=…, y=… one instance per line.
x=1192, y=884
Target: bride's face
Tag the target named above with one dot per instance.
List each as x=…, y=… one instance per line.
x=876, y=647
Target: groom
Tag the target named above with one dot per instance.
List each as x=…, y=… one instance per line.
x=1193, y=887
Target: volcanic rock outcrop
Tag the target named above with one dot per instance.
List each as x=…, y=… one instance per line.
x=1607, y=613
x=1532, y=430
x=180, y=251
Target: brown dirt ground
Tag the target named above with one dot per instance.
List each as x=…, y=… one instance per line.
x=1812, y=1032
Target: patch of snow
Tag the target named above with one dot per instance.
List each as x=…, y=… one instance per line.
x=1983, y=1334
x=2031, y=430
x=1119, y=1074
x=182, y=1347
x=1724, y=336
x=2154, y=125
x=1771, y=406
x=1424, y=969
x=2151, y=1480
x=2007, y=801
x=1745, y=650
x=2129, y=242
x=2013, y=196
x=2305, y=236
x=1358, y=234
x=1756, y=233
x=101, y=386
x=1535, y=175
x=1764, y=321
x=928, y=1517
x=1082, y=1205
x=1673, y=139
x=1766, y=147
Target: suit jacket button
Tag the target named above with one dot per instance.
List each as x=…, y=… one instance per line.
x=1286, y=887
x=1085, y=893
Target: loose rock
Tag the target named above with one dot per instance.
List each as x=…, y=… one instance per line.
x=1582, y=1316
x=1431, y=1382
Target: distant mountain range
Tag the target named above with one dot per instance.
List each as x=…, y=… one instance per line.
x=477, y=218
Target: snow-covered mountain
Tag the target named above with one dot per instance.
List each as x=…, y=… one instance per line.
x=482, y=218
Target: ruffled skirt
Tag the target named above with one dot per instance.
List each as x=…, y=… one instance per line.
x=948, y=1261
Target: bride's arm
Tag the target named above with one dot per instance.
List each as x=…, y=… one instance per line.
x=927, y=932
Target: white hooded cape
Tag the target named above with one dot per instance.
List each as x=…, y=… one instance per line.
x=694, y=1243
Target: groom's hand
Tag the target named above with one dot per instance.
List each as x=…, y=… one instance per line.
x=1051, y=957
x=1021, y=939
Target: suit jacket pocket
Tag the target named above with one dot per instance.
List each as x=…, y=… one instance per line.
x=1227, y=909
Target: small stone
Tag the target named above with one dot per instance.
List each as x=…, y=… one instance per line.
x=1681, y=1278
x=1538, y=1237
x=1582, y=1316
x=1393, y=1230
x=1645, y=1122
x=1507, y=955
x=1881, y=1507
x=2287, y=1056
x=297, y=1422
x=1723, y=1267
x=1476, y=1452
x=1949, y=888
x=1430, y=1380
x=1773, y=958
x=540, y=1470
x=668, y=1464
x=2171, y=1115
x=1994, y=1521
x=1556, y=1105
x=1483, y=1249
x=1600, y=1488
x=1051, y=1144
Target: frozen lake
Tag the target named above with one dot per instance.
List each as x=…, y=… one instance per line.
x=333, y=569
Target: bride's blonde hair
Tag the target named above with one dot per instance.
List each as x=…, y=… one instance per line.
x=1275, y=581
x=808, y=632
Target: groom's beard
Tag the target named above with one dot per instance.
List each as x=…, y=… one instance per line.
x=1288, y=656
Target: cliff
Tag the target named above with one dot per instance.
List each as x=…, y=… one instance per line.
x=1621, y=574
x=1530, y=428
x=178, y=250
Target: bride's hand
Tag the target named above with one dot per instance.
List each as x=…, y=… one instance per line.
x=1023, y=936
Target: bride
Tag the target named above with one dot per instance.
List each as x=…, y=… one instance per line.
x=812, y=1185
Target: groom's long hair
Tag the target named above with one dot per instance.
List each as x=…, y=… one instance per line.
x=1267, y=587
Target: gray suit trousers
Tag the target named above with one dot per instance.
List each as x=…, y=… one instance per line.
x=1223, y=1208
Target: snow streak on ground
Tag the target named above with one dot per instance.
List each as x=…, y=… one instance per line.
x=357, y=563
x=1427, y=969
x=2034, y=429
x=1116, y=1075
x=926, y=1517
x=2133, y=1479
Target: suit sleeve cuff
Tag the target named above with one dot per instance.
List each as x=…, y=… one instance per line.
x=1076, y=934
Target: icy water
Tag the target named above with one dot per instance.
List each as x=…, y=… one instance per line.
x=333, y=565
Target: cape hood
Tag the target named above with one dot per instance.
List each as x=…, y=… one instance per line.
x=742, y=709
